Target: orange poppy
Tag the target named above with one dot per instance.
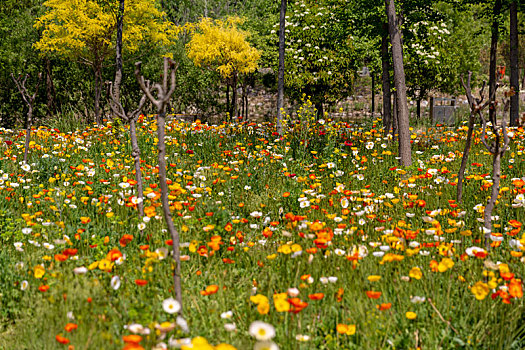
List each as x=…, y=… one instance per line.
x=211, y=289
x=125, y=240
x=316, y=296
x=70, y=327
x=373, y=295
x=384, y=306
x=43, y=288
x=141, y=282
x=62, y=340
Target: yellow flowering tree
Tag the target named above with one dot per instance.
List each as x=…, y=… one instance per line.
x=220, y=45
x=83, y=30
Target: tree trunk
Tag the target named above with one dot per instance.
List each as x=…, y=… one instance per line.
x=118, y=71
x=161, y=120
x=135, y=152
x=373, y=94
x=387, y=94
x=399, y=80
x=228, y=98
x=496, y=176
x=234, y=98
x=514, y=69
x=320, y=110
x=98, y=90
x=50, y=88
x=395, y=124
x=29, y=123
x=280, y=83
x=493, y=53
x=464, y=158
x=418, y=107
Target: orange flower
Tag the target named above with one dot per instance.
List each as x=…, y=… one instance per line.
x=141, y=282
x=316, y=296
x=132, y=339
x=384, y=306
x=434, y=265
x=125, y=240
x=339, y=294
x=113, y=254
x=61, y=339
x=60, y=257
x=286, y=194
x=70, y=327
x=515, y=288
x=211, y=289
x=297, y=305
x=519, y=183
x=43, y=288
x=373, y=295
x=85, y=219
x=515, y=223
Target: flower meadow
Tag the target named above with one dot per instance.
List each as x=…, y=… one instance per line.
x=315, y=239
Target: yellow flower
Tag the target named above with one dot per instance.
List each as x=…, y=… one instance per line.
x=280, y=302
x=415, y=273
x=259, y=298
x=445, y=264
x=374, y=278
x=105, y=265
x=411, y=315
x=348, y=329
x=93, y=265
x=480, y=290
x=263, y=308
x=39, y=271
x=224, y=346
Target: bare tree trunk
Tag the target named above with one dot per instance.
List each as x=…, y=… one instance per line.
x=280, y=82
x=320, y=110
x=387, y=94
x=399, y=80
x=161, y=120
x=118, y=72
x=50, y=88
x=464, y=158
x=418, y=107
x=395, y=121
x=373, y=94
x=228, y=98
x=234, y=97
x=30, y=101
x=514, y=69
x=98, y=90
x=136, y=158
x=164, y=93
x=493, y=53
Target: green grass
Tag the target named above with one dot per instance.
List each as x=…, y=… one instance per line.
x=228, y=173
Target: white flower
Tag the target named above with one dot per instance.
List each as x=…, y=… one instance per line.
x=27, y=230
x=24, y=285
x=138, y=329
x=332, y=279
x=265, y=345
x=417, y=300
x=80, y=270
x=171, y=306
x=227, y=315
x=261, y=331
x=181, y=322
x=141, y=226
x=293, y=292
x=26, y=167
x=162, y=253
x=230, y=327
x=301, y=337
x=115, y=282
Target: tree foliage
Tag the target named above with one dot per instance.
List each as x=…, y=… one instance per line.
x=85, y=28
x=320, y=54
x=220, y=45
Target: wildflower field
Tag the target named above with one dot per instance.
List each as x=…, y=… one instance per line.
x=311, y=240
